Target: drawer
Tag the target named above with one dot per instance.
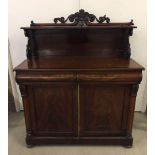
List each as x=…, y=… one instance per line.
x=45, y=77
x=111, y=76
x=114, y=76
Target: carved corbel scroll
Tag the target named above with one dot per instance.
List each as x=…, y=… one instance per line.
x=30, y=51
x=28, y=46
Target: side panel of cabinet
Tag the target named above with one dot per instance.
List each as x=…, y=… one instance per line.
x=103, y=109
x=53, y=109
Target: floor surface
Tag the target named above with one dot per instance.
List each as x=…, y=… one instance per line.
x=17, y=144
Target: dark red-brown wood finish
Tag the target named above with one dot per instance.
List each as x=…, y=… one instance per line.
x=78, y=83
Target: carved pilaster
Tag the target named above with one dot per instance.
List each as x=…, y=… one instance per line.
x=134, y=90
x=30, y=43
x=28, y=49
x=24, y=94
x=129, y=50
x=28, y=133
x=23, y=90
x=28, y=46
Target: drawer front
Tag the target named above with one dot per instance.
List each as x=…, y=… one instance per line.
x=45, y=76
x=114, y=76
x=105, y=76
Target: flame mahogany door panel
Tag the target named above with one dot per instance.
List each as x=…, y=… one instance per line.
x=53, y=109
x=103, y=109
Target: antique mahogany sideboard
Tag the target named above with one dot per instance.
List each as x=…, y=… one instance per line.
x=78, y=83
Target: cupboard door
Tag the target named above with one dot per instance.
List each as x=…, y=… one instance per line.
x=54, y=109
x=103, y=109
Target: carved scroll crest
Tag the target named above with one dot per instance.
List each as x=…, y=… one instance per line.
x=82, y=18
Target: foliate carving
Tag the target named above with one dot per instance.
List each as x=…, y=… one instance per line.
x=28, y=46
x=82, y=18
x=130, y=31
x=26, y=32
x=134, y=90
x=28, y=49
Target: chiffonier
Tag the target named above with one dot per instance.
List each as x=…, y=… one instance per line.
x=78, y=83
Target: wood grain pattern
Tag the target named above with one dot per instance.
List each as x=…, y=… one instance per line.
x=79, y=84
x=81, y=42
x=48, y=110
x=101, y=109
x=74, y=63
x=82, y=38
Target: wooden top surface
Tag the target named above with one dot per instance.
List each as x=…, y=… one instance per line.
x=78, y=27
x=78, y=63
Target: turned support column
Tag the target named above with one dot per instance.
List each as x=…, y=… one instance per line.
x=134, y=89
x=23, y=90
